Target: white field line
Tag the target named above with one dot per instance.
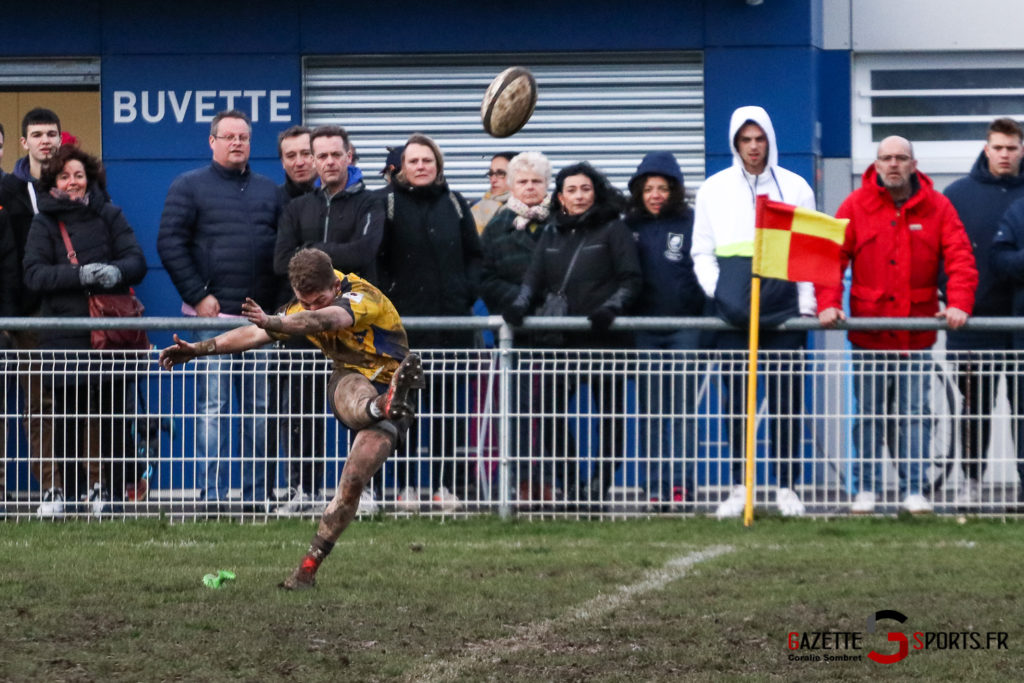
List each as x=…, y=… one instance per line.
x=533, y=636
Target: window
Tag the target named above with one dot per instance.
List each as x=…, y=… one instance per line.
x=942, y=103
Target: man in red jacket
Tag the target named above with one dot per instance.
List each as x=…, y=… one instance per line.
x=900, y=231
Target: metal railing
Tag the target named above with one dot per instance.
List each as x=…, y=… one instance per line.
x=512, y=431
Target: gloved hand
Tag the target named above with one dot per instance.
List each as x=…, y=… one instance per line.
x=88, y=274
x=108, y=276
x=514, y=315
x=601, y=319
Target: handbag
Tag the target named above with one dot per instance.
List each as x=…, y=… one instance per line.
x=556, y=305
x=111, y=306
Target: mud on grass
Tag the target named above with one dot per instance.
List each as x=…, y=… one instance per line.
x=483, y=599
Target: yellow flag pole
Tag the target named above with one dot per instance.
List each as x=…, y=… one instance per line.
x=751, y=450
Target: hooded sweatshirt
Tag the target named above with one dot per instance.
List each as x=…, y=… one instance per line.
x=663, y=243
x=723, y=232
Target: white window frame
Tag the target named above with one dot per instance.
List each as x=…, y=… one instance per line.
x=934, y=156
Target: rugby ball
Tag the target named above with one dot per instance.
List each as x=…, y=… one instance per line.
x=509, y=102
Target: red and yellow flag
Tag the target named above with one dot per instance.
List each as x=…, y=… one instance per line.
x=797, y=244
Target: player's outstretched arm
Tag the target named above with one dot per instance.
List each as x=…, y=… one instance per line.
x=182, y=351
x=233, y=341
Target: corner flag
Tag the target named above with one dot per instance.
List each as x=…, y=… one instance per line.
x=797, y=244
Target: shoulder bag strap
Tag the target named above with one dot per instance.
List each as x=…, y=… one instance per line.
x=72, y=256
x=568, y=271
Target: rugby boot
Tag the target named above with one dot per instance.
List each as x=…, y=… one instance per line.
x=398, y=401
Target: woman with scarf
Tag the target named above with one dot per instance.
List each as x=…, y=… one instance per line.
x=89, y=411
x=508, y=243
x=588, y=254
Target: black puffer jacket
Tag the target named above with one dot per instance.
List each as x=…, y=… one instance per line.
x=15, y=200
x=347, y=226
x=606, y=273
x=10, y=271
x=430, y=258
x=981, y=199
x=217, y=236
x=99, y=233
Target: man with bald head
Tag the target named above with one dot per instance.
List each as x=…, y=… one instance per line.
x=901, y=232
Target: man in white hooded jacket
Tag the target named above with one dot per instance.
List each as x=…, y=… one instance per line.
x=723, y=244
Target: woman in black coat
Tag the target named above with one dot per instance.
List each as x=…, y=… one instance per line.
x=429, y=265
x=88, y=411
x=591, y=251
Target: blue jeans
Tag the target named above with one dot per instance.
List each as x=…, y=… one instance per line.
x=220, y=381
x=879, y=386
x=667, y=398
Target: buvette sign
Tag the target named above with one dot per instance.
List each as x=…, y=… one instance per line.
x=200, y=105
x=160, y=106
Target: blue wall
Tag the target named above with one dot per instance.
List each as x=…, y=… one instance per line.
x=768, y=55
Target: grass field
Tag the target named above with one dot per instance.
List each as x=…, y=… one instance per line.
x=484, y=599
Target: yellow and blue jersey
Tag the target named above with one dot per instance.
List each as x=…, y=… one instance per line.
x=375, y=343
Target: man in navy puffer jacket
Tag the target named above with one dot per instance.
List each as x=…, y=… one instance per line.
x=981, y=198
x=216, y=240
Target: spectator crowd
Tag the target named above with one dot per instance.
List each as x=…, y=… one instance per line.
x=541, y=241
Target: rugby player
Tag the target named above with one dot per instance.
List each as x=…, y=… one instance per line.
x=371, y=389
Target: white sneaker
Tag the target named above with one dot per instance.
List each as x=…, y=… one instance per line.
x=318, y=503
x=916, y=504
x=863, y=503
x=295, y=502
x=409, y=499
x=367, y=503
x=734, y=504
x=789, y=503
x=52, y=505
x=98, y=499
x=968, y=494
x=446, y=500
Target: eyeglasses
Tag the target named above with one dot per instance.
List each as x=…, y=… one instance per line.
x=500, y=174
x=232, y=139
x=902, y=158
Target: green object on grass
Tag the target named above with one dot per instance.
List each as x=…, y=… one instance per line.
x=218, y=579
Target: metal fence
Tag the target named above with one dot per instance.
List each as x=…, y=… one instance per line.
x=517, y=431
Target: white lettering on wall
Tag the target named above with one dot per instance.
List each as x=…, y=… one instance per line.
x=229, y=97
x=124, y=106
x=153, y=107
x=279, y=106
x=180, y=107
x=205, y=109
x=255, y=96
x=148, y=116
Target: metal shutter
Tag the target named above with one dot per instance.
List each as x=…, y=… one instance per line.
x=608, y=109
x=41, y=73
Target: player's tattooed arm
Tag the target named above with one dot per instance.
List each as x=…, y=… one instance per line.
x=313, y=322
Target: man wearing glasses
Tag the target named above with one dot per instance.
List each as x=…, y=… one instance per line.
x=216, y=240
x=902, y=232
x=494, y=198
